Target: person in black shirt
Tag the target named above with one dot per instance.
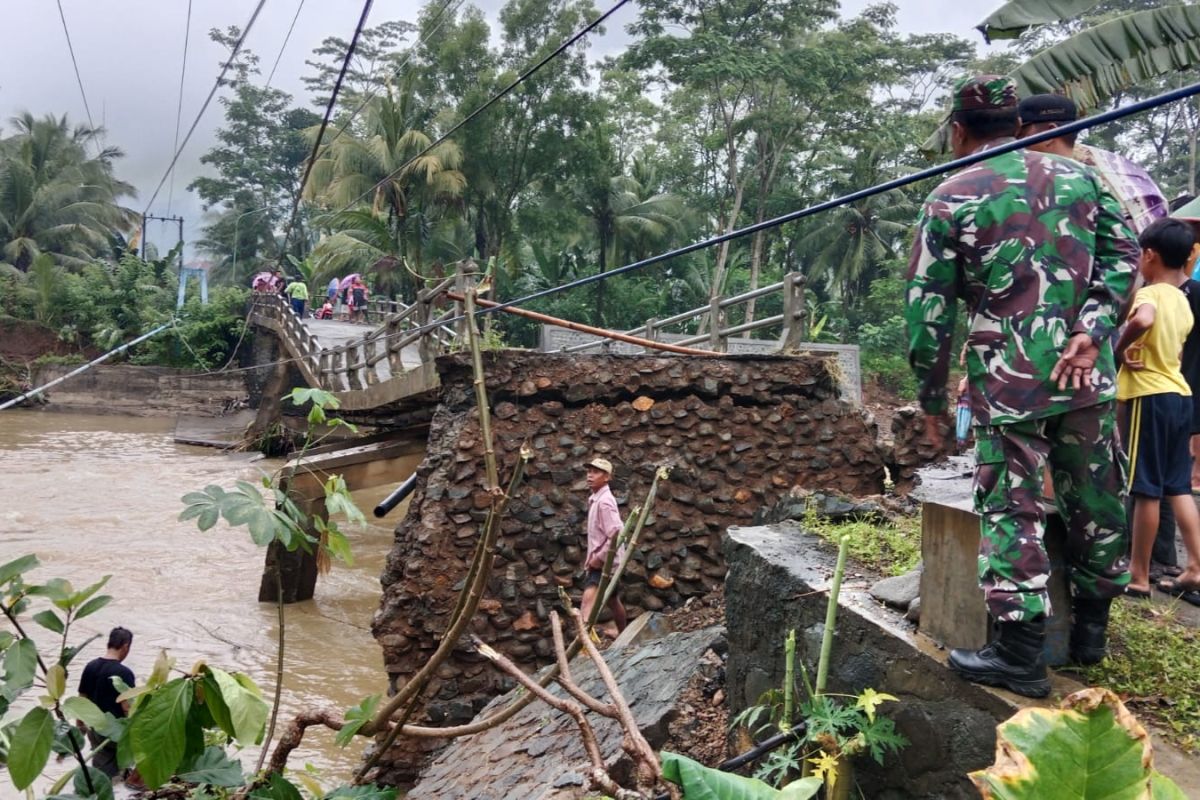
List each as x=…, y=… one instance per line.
x=96, y=684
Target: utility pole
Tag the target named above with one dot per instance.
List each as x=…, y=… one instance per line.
x=183, y=273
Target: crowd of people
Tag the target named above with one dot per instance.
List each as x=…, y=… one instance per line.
x=346, y=299
x=1072, y=372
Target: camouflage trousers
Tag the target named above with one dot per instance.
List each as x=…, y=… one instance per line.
x=1088, y=469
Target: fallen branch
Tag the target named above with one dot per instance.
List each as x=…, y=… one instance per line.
x=292, y=735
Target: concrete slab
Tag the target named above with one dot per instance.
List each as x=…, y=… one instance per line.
x=220, y=432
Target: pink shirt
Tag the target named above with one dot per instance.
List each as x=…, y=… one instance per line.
x=603, y=524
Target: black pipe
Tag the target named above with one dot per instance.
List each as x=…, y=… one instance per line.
x=756, y=752
x=392, y=500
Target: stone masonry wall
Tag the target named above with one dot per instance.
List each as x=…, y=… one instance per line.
x=738, y=431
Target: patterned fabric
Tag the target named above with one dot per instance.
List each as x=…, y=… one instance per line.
x=1139, y=196
x=1088, y=468
x=978, y=92
x=1038, y=250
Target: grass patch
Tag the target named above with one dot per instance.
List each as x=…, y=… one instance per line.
x=892, y=547
x=1153, y=664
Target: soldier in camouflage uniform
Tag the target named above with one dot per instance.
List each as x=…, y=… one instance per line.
x=1040, y=255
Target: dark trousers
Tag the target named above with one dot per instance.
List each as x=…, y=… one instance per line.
x=298, y=307
x=1164, y=543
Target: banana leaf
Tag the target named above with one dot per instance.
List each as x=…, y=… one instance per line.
x=1101, y=61
x=1015, y=17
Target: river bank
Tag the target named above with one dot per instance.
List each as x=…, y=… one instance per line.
x=95, y=495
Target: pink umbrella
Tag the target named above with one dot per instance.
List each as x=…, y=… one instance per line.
x=262, y=282
x=346, y=281
x=1140, y=198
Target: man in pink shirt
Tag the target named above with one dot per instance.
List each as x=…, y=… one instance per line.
x=603, y=526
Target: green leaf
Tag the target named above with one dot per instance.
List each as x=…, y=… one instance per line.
x=69, y=653
x=215, y=768
x=100, y=782
x=74, y=708
x=247, y=712
x=318, y=397
x=1091, y=748
x=93, y=605
x=82, y=595
x=1163, y=788
x=1014, y=17
x=356, y=717
x=704, y=783
x=801, y=789
x=56, y=681
x=157, y=731
x=367, y=792
x=49, y=620
x=20, y=665
x=16, y=567
x=338, y=545
x=30, y=747
x=1104, y=60
x=277, y=788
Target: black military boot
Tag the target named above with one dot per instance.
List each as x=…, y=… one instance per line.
x=1013, y=660
x=1089, y=628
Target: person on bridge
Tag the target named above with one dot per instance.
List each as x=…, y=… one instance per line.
x=96, y=684
x=1040, y=253
x=603, y=527
x=358, y=300
x=297, y=290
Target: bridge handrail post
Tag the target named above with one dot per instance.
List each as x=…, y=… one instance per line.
x=426, y=346
x=716, y=340
x=460, y=287
x=793, y=311
x=369, y=366
x=394, y=347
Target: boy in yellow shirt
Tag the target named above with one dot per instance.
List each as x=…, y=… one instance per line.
x=1159, y=405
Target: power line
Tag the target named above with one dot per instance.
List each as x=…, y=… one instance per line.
x=495, y=99
x=237, y=47
x=283, y=47
x=75, y=64
x=312, y=159
x=187, y=30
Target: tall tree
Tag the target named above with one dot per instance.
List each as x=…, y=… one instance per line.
x=55, y=198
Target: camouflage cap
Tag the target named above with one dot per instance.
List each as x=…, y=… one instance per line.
x=978, y=92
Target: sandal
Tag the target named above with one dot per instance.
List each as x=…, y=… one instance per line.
x=1137, y=594
x=1192, y=597
x=1177, y=587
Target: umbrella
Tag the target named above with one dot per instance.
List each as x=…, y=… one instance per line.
x=346, y=281
x=1140, y=198
x=263, y=282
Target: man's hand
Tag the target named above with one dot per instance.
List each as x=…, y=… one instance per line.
x=1075, y=365
x=1132, y=357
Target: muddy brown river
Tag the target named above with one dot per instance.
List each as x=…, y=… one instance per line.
x=100, y=495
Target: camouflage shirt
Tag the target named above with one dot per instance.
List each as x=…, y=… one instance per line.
x=1037, y=249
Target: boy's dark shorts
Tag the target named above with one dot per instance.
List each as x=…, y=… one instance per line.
x=592, y=578
x=1160, y=460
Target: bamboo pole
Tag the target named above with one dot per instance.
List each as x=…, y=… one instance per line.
x=579, y=326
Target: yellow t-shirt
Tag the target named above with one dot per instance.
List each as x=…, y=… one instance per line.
x=1162, y=345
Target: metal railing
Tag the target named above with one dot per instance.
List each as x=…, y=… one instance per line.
x=791, y=321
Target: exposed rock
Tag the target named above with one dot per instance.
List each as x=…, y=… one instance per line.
x=900, y=591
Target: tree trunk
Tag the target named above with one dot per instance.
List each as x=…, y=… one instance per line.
x=756, y=248
x=598, y=317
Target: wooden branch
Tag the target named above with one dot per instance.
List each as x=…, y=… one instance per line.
x=649, y=768
x=598, y=775
x=564, y=674
x=292, y=735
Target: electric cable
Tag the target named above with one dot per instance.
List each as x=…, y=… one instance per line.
x=524, y=76
x=931, y=172
x=312, y=159
x=237, y=47
x=187, y=31
x=283, y=47
x=78, y=78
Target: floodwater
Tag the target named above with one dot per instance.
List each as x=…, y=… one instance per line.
x=100, y=495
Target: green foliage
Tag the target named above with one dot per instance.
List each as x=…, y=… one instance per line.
x=1092, y=747
x=1154, y=656
x=704, y=783
x=356, y=717
x=892, y=547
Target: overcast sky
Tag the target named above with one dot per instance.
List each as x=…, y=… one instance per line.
x=130, y=53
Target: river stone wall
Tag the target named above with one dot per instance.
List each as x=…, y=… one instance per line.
x=778, y=581
x=739, y=431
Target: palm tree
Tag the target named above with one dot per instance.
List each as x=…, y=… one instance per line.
x=54, y=198
x=851, y=241
x=406, y=200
